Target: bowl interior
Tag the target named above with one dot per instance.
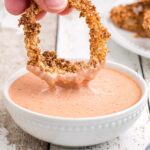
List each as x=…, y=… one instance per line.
x=131, y=73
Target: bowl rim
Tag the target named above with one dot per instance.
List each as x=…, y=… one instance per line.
x=114, y=65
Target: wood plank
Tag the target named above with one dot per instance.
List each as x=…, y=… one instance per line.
x=73, y=41
x=145, y=63
x=13, y=57
x=146, y=70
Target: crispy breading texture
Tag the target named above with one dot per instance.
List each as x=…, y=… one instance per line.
x=48, y=60
x=133, y=17
x=146, y=22
x=144, y=0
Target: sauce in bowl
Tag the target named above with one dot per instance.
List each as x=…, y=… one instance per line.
x=111, y=91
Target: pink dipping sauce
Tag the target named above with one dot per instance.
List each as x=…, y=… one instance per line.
x=111, y=91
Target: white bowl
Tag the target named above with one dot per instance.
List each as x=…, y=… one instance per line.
x=75, y=132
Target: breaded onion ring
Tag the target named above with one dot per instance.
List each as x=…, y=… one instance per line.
x=47, y=62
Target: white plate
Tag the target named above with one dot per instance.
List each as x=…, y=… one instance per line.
x=126, y=39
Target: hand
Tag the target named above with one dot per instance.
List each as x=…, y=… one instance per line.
x=16, y=7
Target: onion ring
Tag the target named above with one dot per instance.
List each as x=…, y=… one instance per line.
x=133, y=17
x=47, y=65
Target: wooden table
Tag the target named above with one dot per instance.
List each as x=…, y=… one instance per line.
x=69, y=35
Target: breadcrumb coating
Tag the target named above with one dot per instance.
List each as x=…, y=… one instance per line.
x=48, y=60
x=133, y=17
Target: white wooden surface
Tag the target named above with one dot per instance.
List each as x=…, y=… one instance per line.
x=72, y=40
x=13, y=57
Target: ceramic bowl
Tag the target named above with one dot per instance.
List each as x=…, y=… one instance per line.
x=76, y=132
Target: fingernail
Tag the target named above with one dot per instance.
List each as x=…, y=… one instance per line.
x=56, y=4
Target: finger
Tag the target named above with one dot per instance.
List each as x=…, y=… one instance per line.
x=66, y=11
x=53, y=6
x=41, y=15
x=16, y=7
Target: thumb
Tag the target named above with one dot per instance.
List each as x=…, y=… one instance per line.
x=53, y=6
